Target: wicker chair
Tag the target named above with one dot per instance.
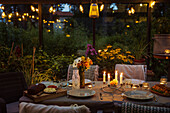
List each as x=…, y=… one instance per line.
x=12, y=85
x=91, y=73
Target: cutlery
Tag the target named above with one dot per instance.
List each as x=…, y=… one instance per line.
x=101, y=98
x=155, y=99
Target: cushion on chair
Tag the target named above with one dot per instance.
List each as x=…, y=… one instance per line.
x=91, y=73
x=134, y=108
x=40, y=108
x=13, y=107
x=132, y=71
x=12, y=85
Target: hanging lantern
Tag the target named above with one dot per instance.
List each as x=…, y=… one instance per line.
x=81, y=9
x=94, y=11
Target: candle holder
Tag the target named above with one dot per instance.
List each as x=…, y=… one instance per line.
x=163, y=81
x=145, y=85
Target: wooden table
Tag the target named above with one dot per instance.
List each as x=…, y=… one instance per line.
x=108, y=102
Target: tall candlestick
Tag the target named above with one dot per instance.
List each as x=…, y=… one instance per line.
x=104, y=77
x=108, y=79
x=121, y=78
x=116, y=74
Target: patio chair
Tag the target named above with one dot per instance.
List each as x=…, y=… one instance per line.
x=135, y=108
x=132, y=71
x=40, y=108
x=12, y=85
x=91, y=73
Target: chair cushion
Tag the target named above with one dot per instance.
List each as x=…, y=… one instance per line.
x=13, y=107
x=132, y=71
x=40, y=108
x=12, y=85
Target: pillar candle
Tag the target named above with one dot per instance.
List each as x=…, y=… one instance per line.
x=104, y=77
x=116, y=74
x=121, y=78
x=108, y=79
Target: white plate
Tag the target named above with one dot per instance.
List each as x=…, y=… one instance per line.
x=87, y=81
x=81, y=92
x=47, y=83
x=133, y=81
x=139, y=94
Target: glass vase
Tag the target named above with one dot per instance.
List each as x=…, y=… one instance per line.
x=82, y=79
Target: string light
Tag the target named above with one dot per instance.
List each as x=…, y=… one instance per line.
x=127, y=26
x=10, y=16
x=2, y=7
x=27, y=14
x=3, y=15
x=23, y=16
x=101, y=7
x=81, y=8
x=37, y=18
x=51, y=9
x=152, y=4
x=19, y=19
x=132, y=10
x=48, y=30
x=17, y=14
x=60, y=27
x=33, y=16
x=141, y=5
x=36, y=9
x=68, y=35
x=32, y=8
x=9, y=20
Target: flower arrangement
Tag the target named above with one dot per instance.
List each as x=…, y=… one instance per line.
x=82, y=63
x=114, y=82
x=108, y=57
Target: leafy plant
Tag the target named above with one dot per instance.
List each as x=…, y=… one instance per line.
x=108, y=57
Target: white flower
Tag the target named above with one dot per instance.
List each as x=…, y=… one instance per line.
x=75, y=63
x=79, y=60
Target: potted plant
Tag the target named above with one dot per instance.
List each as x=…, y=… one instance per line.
x=139, y=51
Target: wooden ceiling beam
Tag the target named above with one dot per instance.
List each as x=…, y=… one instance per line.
x=76, y=1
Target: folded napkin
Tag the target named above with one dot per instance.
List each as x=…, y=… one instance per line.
x=40, y=108
x=134, y=108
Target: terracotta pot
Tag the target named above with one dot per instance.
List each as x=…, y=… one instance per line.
x=139, y=62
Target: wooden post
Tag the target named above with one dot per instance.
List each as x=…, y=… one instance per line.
x=33, y=64
x=148, y=32
x=40, y=26
x=94, y=33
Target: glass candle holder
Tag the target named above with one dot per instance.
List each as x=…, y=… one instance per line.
x=134, y=86
x=145, y=85
x=163, y=81
x=89, y=86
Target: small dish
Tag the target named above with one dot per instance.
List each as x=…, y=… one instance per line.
x=87, y=81
x=81, y=93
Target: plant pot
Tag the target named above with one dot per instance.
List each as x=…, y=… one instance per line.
x=139, y=62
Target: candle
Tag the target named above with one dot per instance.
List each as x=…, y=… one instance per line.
x=108, y=79
x=104, y=79
x=121, y=78
x=116, y=74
